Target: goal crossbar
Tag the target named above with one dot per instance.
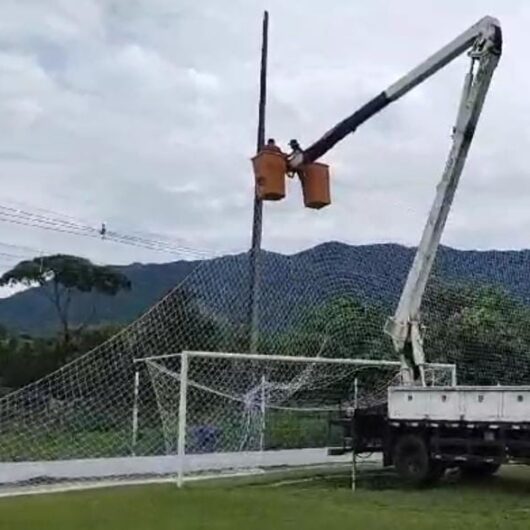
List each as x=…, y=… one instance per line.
x=253, y=404
x=288, y=358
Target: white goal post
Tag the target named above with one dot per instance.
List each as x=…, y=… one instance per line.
x=237, y=413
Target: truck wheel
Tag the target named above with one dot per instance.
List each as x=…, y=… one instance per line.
x=479, y=470
x=412, y=462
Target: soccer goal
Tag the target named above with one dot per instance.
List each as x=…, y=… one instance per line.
x=234, y=413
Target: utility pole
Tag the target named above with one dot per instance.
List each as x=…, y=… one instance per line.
x=257, y=220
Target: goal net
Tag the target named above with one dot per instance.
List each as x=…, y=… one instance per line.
x=75, y=424
x=225, y=413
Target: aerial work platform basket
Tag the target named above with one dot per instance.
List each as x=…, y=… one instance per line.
x=270, y=168
x=315, y=185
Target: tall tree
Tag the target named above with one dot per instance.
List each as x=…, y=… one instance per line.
x=349, y=328
x=61, y=276
x=481, y=328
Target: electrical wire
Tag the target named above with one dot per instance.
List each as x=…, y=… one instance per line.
x=77, y=224
x=68, y=225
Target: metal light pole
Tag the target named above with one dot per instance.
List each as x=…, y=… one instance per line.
x=258, y=203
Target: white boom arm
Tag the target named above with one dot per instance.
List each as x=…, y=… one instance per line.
x=404, y=327
x=484, y=40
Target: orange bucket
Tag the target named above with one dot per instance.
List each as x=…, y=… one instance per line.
x=270, y=168
x=315, y=185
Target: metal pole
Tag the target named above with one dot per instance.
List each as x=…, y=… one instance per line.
x=135, y=411
x=353, y=426
x=258, y=204
x=263, y=412
x=354, y=456
x=181, y=443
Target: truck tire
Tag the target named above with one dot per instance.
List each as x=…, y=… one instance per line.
x=412, y=461
x=479, y=469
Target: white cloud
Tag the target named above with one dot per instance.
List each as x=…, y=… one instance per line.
x=143, y=114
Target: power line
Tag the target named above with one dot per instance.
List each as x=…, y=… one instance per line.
x=68, y=225
x=30, y=253
x=71, y=223
x=26, y=218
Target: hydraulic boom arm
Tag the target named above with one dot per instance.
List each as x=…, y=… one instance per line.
x=484, y=42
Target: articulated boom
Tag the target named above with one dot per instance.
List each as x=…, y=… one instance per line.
x=404, y=327
x=484, y=42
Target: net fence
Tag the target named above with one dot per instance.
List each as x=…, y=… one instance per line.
x=224, y=412
x=244, y=410
x=330, y=302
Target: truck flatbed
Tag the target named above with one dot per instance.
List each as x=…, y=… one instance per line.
x=422, y=431
x=505, y=404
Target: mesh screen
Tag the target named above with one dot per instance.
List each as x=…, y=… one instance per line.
x=326, y=302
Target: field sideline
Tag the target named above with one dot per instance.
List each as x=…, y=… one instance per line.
x=322, y=503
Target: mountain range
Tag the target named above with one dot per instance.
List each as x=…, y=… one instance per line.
x=375, y=273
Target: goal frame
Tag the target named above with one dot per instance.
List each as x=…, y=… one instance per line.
x=186, y=355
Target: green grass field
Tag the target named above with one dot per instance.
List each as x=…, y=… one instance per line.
x=324, y=503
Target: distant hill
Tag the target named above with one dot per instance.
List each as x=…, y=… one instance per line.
x=372, y=272
x=30, y=311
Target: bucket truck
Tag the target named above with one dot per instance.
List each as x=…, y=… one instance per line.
x=424, y=430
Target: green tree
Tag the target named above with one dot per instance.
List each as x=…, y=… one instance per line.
x=60, y=276
x=346, y=327
x=482, y=329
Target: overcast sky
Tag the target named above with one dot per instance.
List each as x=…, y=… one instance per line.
x=142, y=114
